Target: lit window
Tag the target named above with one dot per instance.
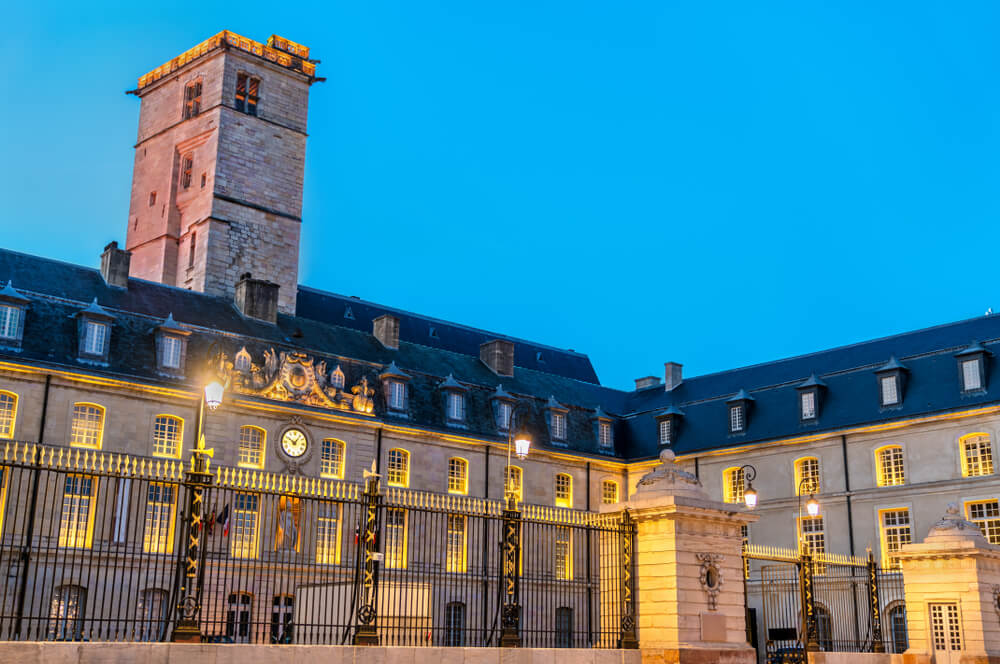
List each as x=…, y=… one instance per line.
x=167, y=435
x=88, y=426
x=8, y=414
x=514, y=482
x=397, y=395
x=331, y=459
x=807, y=475
x=399, y=468
x=890, y=390
x=807, y=400
x=665, y=431
x=564, y=490
x=172, y=352
x=238, y=617
x=66, y=613
x=503, y=415
x=604, y=434
x=971, y=375
x=245, y=525
x=4, y=481
x=328, y=534
x=77, y=512
x=895, y=533
x=564, y=554
x=737, y=421
x=159, y=534
x=187, y=165
x=458, y=476
x=95, y=335
x=609, y=492
x=10, y=319
x=395, y=537
x=251, y=452
x=889, y=465
x=192, y=99
x=454, y=625
x=986, y=515
x=813, y=534
x=559, y=426
x=455, y=556
x=977, y=455
x=153, y=614
x=732, y=485
x=247, y=90
x=456, y=406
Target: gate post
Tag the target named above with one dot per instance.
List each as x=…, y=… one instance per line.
x=366, y=590
x=510, y=614
x=809, y=627
x=187, y=629
x=874, y=610
x=628, y=639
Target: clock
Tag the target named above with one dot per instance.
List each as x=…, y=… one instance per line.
x=294, y=443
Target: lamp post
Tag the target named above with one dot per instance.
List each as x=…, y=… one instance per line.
x=748, y=474
x=812, y=505
x=510, y=547
x=810, y=628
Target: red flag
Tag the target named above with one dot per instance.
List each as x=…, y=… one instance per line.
x=224, y=520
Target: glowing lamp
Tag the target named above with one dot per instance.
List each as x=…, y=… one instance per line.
x=812, y=507
x=213, y=394
x=750, y=497
x=522, y=443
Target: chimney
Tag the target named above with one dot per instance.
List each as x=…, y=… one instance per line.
x=672, y=375
x=114, y=265
x=257, y=298
x=646, y=381
x=386, y=330
x=498, y=355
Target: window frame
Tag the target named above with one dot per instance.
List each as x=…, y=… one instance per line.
x=799, y=475
x=179, y=421
x=605, y=484
x=559, y=425
x=454, y=414
x=880, y=469
x=187, y=170
x=11, y=331
x=392, y=562
x=89, y=327
x=404, y=455
x=978, y=360
x=250, y=101
x=191, y=103
x=70, y=539
x=451, y=555
x=8, y=425
x=976, y=437
x=733, y=485
x=813, y=396
x=890, y=558
x=263, y=447
x=517, y=472
x=326, y=445
x=100, y=427
x=605, y=442
x=737, y=418
x=458, y=485
x=161, y=544
x=565, y=500
x=241, y=547
x=992, y=502
x=329, y=552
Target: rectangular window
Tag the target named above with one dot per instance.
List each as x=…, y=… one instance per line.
x=604, y=434
x=808, y=402
x=399, y=468
x=191, y=247
x=456, y=406
x=559, y=426
x=732, y=485
x=282, y=618
x=503, y=415
x=397, y=395
x=328, y=534
x=247, y=91
x=977, y=455
x=454, y=618
x=94, y=336
x=736, y=420
x=564, y=490
x=665, y=431
x=152, y=198
x=187, y=165
x=890, y=390
x=455, y=557
x=66, y=613
x=807, y=476
x=251, y=452
x=167, y=436
x=971, y=378
x=245, y=526
x=161, y=500
x=153, y=614
x=395, y=537
x=172, y=352
x=238, y=617
x=945, y=628
x=609, y=492
x=895, y=533
x=192, y=99
x=10, y=318
x=986, y=515
x=88, y=426
x=813, y=534
x=77, y=512
x=331, y=460
x=564, y=554
x=890, y=466
x=458, y=476
x=8, y=414
x=514, y=482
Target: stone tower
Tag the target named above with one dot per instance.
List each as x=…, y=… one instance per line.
x=219, y=160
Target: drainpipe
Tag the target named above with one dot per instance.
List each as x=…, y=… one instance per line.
x=847, y=490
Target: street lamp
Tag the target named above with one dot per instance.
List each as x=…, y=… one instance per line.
x=213, y=394
x=812, y=505
x=510, y=544
x=520, y=443
x=749, y=474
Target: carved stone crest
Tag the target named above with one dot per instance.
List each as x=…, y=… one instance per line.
x=710, y=576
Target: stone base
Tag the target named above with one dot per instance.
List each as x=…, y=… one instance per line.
x=698, y=655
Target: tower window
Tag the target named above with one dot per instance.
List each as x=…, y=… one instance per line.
x=152, y=198
x=203, y=177
x=247, y=88
x=191, y=250
x=187, y=165
x=192, y=99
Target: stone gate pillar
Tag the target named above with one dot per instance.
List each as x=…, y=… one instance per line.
x=952, y=586
x=689, y=571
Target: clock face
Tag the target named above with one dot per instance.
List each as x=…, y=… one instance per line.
x=294, y=443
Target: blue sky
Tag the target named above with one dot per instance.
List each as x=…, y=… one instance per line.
x=711, y=183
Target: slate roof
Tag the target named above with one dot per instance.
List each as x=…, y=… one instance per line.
x=59, y=291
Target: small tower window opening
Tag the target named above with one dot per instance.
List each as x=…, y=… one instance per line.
x=152, y=198
x=192, y=99
x=191, y=250
x=247, y=89
x=187, y=165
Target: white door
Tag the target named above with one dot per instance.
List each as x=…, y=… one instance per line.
x=946, y=633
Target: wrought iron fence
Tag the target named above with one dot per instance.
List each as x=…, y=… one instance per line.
x=107, y=547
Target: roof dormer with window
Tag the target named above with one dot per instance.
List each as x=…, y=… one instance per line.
x=604, y=431
x=395, y=384
x=454, y=402
x=13, y=307
x=668, y=426
x=503, y=407
x=810, y=393
x=94, y=333
x=171, y=347
x=972, y=368
x=891, y=383
x=556, y=416
x=739, y=412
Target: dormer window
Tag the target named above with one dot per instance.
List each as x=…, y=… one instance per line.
x=454, y=401
x=665, y=431
x=172, y=352
x=397, y=395
x=972, y=368
x=95, y=335
x=605, y=431
x=668, y=425
x=559, y=426
x=503, y=406
x=556, y=414
x=739, y=407
x=807, y=403
x=809, y=398
x=337, y=378
x=12, y=308
x=604, y=434
x=503, y=415
x=394, y=383
x=890, y=383
x=10, y=321
x=94, y=331
x=171, y=347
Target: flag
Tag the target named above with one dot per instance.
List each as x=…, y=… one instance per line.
x=223, y=521
x=210, y=522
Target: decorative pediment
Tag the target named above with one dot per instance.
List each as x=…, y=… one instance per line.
x=297, y=377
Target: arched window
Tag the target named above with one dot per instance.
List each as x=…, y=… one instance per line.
x=399, y=467
x=454, y=625
x=66, y=613
x=977, y=455
x=515, y=482
x=897, y=627
x=88, y=425
x=807, y=475
x=564, y=490
x=168, y=433
x=889, y=465
x=564, y=627
x=331, y=459
x=609, y=492
x=732, y=485
x=153, y=614
x=337, y=378
x=458, y=476
x=242, y=361
x=8, y=414
x=252, y=441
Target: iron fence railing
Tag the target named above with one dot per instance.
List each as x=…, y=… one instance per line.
x=98, y=546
